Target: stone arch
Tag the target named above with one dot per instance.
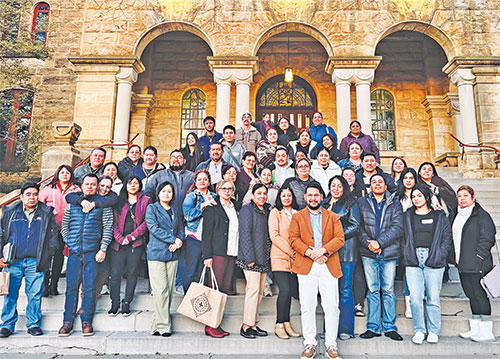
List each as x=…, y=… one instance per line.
x=294, y=26
x=432, y=31
x=169, y=26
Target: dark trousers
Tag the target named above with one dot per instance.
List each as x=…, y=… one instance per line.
x=346, y=303
x=192, y=259
x=479, y=302
x=55, y=267
x=81, y=269
x=223, y=270
x=359, y=284
x=288, y=288
x=126, y=258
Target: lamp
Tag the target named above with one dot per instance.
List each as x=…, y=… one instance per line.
x=288, y=69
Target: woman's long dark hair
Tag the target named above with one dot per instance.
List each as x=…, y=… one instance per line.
x=392, y=165
x=53, y=182
x=123, y=196
x=347, y=197
x=401, y=187
x=279, y=204
x=422, y=165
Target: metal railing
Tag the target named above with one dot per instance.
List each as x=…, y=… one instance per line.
x=46, y=180
x=462, y=146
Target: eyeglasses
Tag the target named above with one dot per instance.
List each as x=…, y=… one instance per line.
x=228, y=189
x=303, y=167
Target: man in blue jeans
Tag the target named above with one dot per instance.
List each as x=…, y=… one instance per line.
x=381, y=232
x=28, y=239
x=87, y=236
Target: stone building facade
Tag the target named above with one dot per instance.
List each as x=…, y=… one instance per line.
x=410, y=71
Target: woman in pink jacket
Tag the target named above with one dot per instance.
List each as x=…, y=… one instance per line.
x=53, y=195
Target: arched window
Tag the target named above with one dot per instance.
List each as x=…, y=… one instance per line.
x=383, y=126
x=40, y=22
x=193, y=112
x=15, y=122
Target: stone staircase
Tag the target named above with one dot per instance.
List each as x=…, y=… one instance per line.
x=131, y=335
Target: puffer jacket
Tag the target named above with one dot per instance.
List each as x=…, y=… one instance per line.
x=323, y=175
x=298, y=188
x=351, y=224
x=391, y=226
x=162, y=233
x=317, y=132
x=192, y=209
x=125, y=167
x=254, y=242
x=48, y=244
x=441, y=241
x=478, y=237
x=87, y=232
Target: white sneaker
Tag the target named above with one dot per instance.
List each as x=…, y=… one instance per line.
x=179, y=290
x=268, y=292
x=418, y=338
x=432, y=338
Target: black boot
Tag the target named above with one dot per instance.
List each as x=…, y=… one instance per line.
x=125, y=308
x=115, y=307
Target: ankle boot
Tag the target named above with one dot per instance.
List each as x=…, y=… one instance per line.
x=280, y=332
x=485, y=333
x=408, y=307
x=289, y=330
x=474, y=329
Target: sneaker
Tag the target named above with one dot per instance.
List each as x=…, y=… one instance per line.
x=345, y=336
x=125, y=309
x=332, y=353
x=358, y=310
x=268, y=292
x=308, y=352
x=418, y=338
x=432, y=338
x=65, y=330
x=114, y=310
x=178, y=290
x=87, y=330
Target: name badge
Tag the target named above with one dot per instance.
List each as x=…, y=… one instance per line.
x=427, y=221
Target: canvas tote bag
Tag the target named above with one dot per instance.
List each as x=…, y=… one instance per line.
x=204, y=304
x=491, y=281
x=4, y=282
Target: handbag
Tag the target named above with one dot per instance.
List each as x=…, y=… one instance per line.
x=204, y=304
x=4, y=282
x=491, y=281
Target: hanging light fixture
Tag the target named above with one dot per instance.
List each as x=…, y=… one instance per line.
x=288, y=69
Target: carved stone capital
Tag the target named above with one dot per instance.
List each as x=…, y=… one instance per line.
x=462, y=76
x=342, y=76
x=126, y=75
x=66, y=132
x=243, y=76
x=364, y=76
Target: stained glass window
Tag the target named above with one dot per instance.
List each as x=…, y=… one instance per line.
x=41, y=22
x=193, y=113
x=282, y=94
x=15, y=123
x=383, y=125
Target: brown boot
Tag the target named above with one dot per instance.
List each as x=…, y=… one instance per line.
x=289, y=330
x=65, y=330
x=87, y=330
x=279, y=330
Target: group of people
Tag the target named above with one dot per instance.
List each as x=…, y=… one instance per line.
x=279, y=205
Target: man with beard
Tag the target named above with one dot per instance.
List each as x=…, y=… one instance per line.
x=316, y=235
x=210, y=135
x=149, y=167
x=370, y=168
x=214, y=164
x=247, y=135
x=381, y=232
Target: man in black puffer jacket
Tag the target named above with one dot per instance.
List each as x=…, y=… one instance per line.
x=381, y=232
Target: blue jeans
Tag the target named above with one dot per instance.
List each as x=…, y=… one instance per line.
x=80, y=269
x=346, y=304
x=380, y=274
x=423, y=280
x=192, y=259
x=34, y=289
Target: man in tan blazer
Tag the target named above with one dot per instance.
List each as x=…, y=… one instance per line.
x=316, y=235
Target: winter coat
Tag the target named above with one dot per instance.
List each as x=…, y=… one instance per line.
x=311, y=150
x=281, y=174
x=192, y=161
x=441, y=241
x=206, y=141
x=351, y=224
x=192, y=209
x=317, y=132
x=478, y=237
x=366, y=142
x=249, y=139
x=254, y=243
x=279, y=226
x=284, y=138
x=139, y=172
x=139, y=235
x=323, y=175
x=162, y=233
x=234, y=154
x=298, y=188
x=389, y=181
x=48, y=243
x=54, y=197
x=85, y=169
x=391, y=226
x=125, y=167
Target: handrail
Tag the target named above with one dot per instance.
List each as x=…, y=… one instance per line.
x=78, y=165
x=463, y=145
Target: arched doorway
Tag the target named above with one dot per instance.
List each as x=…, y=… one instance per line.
x=295, y=101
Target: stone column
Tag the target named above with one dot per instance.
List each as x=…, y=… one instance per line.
x=223, y=80
x=125, y=79
x=342, y=79
x=454, y=112
x=440, y=125
x=464, y=80
x=243, y=79
x=140, y=122
x=363, y=80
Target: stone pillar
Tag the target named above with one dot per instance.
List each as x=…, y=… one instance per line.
x=222, y=79
x=342, y=79
x=363, y=80
x=243, y=80
x=125, y=79
x=453, y=104
x=440, y=126
x=140, y=122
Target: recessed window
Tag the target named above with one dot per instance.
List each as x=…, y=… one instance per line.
x=383, y=125
x=41, y=22
x=193, y=112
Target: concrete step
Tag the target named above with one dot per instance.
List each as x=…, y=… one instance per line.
x=193, y=345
